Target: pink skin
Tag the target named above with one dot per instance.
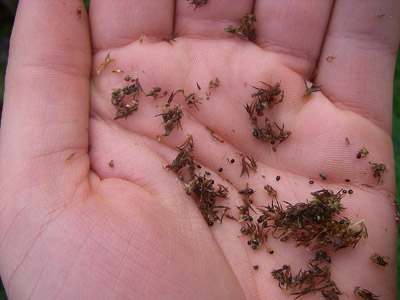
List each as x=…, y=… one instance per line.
x=79, y=229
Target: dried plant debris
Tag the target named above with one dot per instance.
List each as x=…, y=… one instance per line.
x=256, y=234
x=314, y=224
x=213, y=84
x=364, y=294
x=347, y=140
x=362, y=153
x=70, y=156
x=270, y=191
x=185, y=156
x=171, y=115
x=379, y=259
x=246, y=30
x=248, y=162
x=107, y=60
x=379, y=170
x=315, y=278
x=312, y=89
x=141, y=38
x=154, y=93
x=199, y=185
x=79, y=12
x=266, y=97
x=111, y=164
x=330, y=58
x=213, y=136
x=272, y=133
x=198, y=3
x=126, y=107
x=190, y=99
x=170, y=38
x=207, y=194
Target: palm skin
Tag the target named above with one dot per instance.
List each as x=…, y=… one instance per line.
x=78, y=229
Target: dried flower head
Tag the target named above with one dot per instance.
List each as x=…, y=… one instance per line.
x=245, y=30
x=315, y=223
x=171, y=115
x=270, y=191
x=312, y=89
x=362, y=153
x=207, y=195
x=379, y=170
x=185, y=156
x=248, y=162
x=272, y=133
x=364, y=294
x=126, y=107
x=154, y=93
x=315, y=278
x=379, y=259
x=256, y=234
x=266, y=97
x=213, y=84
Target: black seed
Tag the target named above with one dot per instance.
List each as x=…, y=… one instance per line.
x=311, y=182
x=251, y=201
x=272, y=142
x=255, y=267
x=344, y=191
x=249, y=243
x=278, y=178
x=207, y=173
x=210, y=223
x=250, y=191
x=232, y=161
x=220, y=170
x=323, y=176
x=212, y=181
x=350, y=191
x=347, y=180
x=243, y=229
x=358, y=155
x=271, y=251
x=254, y=247
x=284, y=239
x=198, y=166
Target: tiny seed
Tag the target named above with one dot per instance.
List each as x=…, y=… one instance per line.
x=207, y=173
x=347, y=180
x=311, y=182
x=358, y=155
x=344, y=191
x=249, y=242
x=210, y=223
x=350, y=191
x=255, y=267
x=220, y=170
x=278, y=178
x=271, y=252
x=323, y=176
x=198, y=166
x=232, y=161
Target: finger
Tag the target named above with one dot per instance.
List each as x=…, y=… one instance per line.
x=47, y=86
x=117, y=23
x=294, y=29
x=209, y=21
x=363, y=37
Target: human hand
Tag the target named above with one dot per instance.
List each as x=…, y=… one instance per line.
x=77, y=229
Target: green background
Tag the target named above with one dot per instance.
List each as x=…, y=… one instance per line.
x=7, y=12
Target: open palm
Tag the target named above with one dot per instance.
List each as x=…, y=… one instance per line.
x=72, y=227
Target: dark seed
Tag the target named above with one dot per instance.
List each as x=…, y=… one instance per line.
x=278, y=178
x=249, y=243
x=271, y=252
x=198, y=166
x=311, y=182
x=358, y=155
x=250, y=191
x=220, y=170
x=344, y=192
x=347, y=180
x=232, y=161
x=210, y=223
x=350, y=191
x=255, y=267
x=323, y=176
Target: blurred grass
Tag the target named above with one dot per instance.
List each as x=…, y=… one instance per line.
x=7, y=13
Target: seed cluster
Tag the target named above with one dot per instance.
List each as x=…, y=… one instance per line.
x=126, y=107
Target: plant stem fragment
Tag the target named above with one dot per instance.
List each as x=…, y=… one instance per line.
x=198, y=3
x=364, y=294
x=251, y=164
x=312, y=89
x=379, y=259
x=104, y=64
